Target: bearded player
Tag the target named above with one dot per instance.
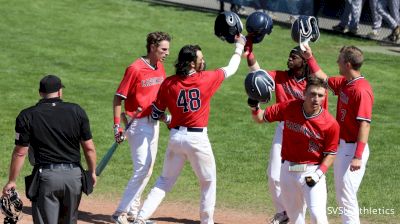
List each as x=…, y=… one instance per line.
x=187, y=96
x=289, y=85
x=138, y=89
x=354, y=112
x=309, y=145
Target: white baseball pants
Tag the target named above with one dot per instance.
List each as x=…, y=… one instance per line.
x=297, y=195
x=143, y=140
x=347, y=182
x=274, y=168
x=195, y=147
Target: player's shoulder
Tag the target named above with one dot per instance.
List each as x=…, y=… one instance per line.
x=329, y=118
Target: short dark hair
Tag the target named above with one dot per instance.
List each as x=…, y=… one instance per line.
x=155, y=38
x=353, y=55
x=187, y=54
x=314, y=81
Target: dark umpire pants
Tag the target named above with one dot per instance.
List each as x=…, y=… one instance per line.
x=60, y=192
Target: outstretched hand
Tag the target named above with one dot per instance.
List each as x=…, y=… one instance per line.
x=307, y=54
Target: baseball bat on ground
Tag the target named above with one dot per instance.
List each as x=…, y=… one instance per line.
x=110, y=152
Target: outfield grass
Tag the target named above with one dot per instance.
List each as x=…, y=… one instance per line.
x=89, y=43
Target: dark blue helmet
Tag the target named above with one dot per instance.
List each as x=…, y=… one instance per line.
x=259, y=85
x=258, y=24
x=304, y=29
x=227, y=26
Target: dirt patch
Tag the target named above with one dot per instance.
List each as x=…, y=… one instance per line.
x=98, y=211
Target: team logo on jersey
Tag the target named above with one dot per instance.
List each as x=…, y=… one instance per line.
x=313, y=147
x=152, y=81
x=343, y=97
x=296, y=93
x=301, y=129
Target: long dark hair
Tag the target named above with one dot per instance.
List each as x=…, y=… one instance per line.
x=186, y=55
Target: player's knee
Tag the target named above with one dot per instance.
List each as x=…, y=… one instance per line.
x=165, y=183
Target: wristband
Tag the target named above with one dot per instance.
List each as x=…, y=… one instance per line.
x=359, y=149
x=239, y=51
x=255, y=112
x=313, y=65
x=323, y=168
x=117, y=120
x=250, y=56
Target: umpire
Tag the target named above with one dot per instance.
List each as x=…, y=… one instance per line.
x=54, y=129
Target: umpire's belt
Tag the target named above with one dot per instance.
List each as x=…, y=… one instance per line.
x=59, y=166
x=189, y=129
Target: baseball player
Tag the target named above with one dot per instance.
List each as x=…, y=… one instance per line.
x=289, y=85
x=354, y=112
x=309, y=145
x=138, y=89
x=187, y=96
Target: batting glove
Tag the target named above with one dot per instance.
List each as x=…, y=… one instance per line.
x=118, y=133
x=313, y=179
x=253, y=104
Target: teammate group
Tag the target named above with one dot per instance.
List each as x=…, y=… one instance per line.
x=307, y=141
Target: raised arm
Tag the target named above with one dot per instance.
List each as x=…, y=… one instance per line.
x=312, y=63
x=234, y=62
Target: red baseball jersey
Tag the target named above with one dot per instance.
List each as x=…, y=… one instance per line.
x=305, y=139
x=355, y=100
x=188, y=97
x=140, y=85
x=288, y=87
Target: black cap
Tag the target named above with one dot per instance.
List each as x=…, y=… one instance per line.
x=297, y=50
x=50, y=84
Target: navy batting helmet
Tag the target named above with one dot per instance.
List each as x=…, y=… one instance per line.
x=258, y=24
x=259, y=85
x=227, y=26
x=304, y=29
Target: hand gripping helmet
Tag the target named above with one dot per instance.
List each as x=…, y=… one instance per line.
x=304, y=29
x=258, y=24
x=227, y=26
x=259, y=85
x=11, y=206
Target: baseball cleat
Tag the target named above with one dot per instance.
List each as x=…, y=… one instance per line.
x=120, y=218
x=280, y=218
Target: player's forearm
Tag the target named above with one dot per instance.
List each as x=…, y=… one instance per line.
x=89, y=151
x=327, y=162
x=117, y=108
x=362, y=139
x=315, y=69
x=252, y=62
x=234, y=62
x=17, y=162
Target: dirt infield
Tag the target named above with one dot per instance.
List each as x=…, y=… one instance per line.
x=98, y=211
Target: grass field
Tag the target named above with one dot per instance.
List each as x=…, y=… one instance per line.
x=89, y=43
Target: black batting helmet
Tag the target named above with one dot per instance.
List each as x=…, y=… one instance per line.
x=259, y=85
x=259, y=24
x=227, y=26
x=304, y=29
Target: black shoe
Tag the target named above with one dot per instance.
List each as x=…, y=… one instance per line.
x=339, y=28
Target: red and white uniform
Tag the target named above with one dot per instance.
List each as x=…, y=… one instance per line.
x=305, y=141
x=354, y=104
x=139, y=88
x=287, y=87
x=188, y=100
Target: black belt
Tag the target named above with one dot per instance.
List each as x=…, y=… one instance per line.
x=191, y=129
x=59, y=165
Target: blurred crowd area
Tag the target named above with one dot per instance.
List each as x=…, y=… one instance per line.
x=330, y=14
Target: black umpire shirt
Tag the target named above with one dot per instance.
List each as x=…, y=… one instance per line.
x=53, y=129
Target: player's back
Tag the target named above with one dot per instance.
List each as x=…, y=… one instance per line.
x=188, y=97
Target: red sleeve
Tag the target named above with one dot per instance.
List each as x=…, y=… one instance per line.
x=364, y=102
x=128, y=81
x=275, y=112
x=272, y=74
x=335, y=83
x=332, y=138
